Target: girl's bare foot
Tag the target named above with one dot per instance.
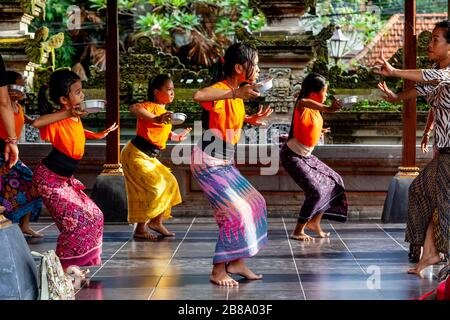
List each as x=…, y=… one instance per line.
x=145, y=236
x=220, y=277
x=160, y=228
x=318, y=230
x=223, y=280
x=240, y=268
x=27, y=231
x=301, y=237
x=424, y=262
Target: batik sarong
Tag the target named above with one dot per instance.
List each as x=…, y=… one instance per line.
x=239, y=209
x=77, y=217
x=323, y=188
x=429, y=200
x=17, y=193
x=151, y=187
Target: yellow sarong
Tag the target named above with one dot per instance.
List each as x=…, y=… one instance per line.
x=151, y=187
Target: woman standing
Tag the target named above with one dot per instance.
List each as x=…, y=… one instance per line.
x=239, y=209
x=430, y=191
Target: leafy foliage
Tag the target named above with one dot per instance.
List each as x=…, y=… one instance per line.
x=359, y=24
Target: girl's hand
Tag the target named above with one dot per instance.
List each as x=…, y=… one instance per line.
x=76, y=112
x=104, y=133
x=254, y=119
x=180, y=136
x=248, y=91
x=336, y=105
x=326, y=130
x=389, y=95
x=164, y=118
x=424, y=143
x=386, y=69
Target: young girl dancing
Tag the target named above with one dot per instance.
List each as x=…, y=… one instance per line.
x=239, y=209
x=77, y=217
x=323, y=187
x=152, y=190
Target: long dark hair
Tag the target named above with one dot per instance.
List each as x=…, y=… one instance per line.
x=312, y=83
x=59, y=84
x=238, y=53
x=156, y=83
x=445, y=25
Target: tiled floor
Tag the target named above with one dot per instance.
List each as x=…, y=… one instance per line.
x=359, y=261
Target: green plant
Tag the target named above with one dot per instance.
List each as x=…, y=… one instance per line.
x=359, y=25
x=212, y=25
x=185, y=20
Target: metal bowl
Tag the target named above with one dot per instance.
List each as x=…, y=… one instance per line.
x=178, y=118
x=266, y=84
x=349, y=101
x=93, y=106
x=16, y=88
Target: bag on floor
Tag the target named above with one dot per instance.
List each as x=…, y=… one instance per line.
x=54, y=284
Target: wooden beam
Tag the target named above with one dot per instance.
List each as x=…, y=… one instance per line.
x=409, y=106
x=112, y=86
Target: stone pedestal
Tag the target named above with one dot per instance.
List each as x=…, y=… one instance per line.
x=395, y=208
x=18, y=272
x=110, y=195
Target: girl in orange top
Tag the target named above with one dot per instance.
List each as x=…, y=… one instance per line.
x=323, y=187
x=77, y=217
x=17, y=194
x=152, y=190
x=239, y=209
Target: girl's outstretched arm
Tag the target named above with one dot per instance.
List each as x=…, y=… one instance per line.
x=100, y=135
x=178, y=137
x=212, y=94
x=50, y=118
x=312, y=104
x=140, y=112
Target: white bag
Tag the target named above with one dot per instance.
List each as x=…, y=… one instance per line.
x=54, y=284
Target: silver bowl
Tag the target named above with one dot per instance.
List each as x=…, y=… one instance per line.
x=349, y=101
x=16, y=88
x=93, y=106
x=178, y=118
x=266, y=85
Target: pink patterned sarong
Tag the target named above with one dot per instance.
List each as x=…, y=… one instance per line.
x=77, y=217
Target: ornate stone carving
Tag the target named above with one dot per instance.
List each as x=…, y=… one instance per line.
x=280, y=96
x=143, y=62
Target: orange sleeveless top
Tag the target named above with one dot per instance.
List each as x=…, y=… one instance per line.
x=156, y=133
x=226, y=116
x=67, y=136
x=307, y=126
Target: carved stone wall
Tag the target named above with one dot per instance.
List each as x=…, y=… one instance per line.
x=15, y=18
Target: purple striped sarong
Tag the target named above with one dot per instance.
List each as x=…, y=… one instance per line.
x=323, y=187
x=239, y=209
